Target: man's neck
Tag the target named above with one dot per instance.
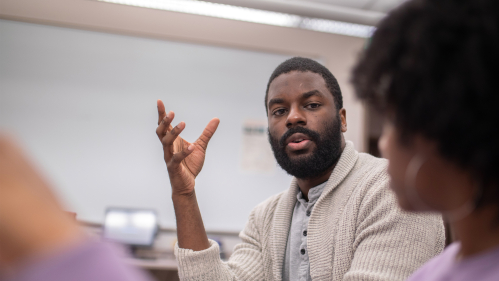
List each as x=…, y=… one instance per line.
x=306, y=184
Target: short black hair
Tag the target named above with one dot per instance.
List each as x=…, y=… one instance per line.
x=433, y=65
x=304, y=65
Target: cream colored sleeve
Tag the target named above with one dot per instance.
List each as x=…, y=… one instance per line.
x=244, y=264
x=389, y=243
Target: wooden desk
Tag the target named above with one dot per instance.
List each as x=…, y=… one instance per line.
x=164, y=266
x=160, y=269
x=156, y=264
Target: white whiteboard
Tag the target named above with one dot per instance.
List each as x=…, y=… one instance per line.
x=83, y=104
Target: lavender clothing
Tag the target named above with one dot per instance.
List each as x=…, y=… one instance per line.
x=93, y=260
x=444, y=267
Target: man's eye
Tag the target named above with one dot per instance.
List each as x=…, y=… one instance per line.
x=313, y=105
x=279, y=111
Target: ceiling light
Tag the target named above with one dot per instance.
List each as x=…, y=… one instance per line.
x=252, y=15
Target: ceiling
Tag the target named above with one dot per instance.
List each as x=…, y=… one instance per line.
x=368, y=12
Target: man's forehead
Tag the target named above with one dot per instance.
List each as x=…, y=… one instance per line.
x=297, y=81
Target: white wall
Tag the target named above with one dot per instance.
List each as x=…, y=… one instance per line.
x=84, y=103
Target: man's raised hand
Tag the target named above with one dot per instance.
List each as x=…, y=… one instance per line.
x=184, y=160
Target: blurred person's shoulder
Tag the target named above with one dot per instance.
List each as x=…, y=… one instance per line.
x=446, y=266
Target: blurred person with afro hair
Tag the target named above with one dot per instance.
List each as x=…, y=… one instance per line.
x=432, y=70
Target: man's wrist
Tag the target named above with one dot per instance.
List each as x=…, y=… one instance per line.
x=183, y=196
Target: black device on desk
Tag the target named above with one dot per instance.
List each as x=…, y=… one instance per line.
x=133, y=227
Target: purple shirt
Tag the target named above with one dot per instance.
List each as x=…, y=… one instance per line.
x=444, y=267
x=95, y=261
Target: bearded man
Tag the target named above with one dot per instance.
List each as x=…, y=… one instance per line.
x=337, y=221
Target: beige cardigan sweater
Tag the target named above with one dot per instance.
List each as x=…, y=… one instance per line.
x=356, y=232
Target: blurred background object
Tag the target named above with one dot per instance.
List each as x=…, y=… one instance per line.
x=134, y=227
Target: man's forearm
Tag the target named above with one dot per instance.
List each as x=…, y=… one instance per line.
x=190, y=228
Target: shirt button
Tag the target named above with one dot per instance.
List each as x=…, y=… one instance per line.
x=308, y=213
x=304, y=233
x=302, y=251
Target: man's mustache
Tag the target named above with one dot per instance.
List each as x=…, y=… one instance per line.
x=314, y=136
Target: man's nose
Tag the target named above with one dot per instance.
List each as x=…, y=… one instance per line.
x=295, y=118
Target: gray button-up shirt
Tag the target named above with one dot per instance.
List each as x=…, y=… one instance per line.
x=296, y=261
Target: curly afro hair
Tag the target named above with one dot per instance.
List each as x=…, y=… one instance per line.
x=434, y=66
x=304, y=65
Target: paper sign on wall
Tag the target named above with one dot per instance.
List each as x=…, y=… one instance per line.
x=257, y=154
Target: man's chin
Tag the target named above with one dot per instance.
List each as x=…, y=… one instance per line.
x=299, y=154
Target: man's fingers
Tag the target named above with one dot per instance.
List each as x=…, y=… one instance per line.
x=208, y=132
x=165, y=124
x=161, y=111
x=169, y=139
x=180, y=156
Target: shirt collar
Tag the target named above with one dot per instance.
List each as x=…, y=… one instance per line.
x=313, y=194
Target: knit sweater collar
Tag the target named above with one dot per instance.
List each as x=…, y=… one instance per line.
x=284, y=209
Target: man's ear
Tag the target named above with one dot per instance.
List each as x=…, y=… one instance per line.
x=343, y=117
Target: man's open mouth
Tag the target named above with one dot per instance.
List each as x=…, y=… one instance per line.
x=297, y=138
x=298, y=141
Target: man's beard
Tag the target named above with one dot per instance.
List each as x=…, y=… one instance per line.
x=325, y=155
